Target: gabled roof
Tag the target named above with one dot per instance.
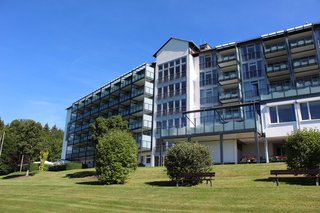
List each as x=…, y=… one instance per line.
x=191, y=45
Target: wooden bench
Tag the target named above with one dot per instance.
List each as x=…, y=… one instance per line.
x=201, y=176
x=310, y=173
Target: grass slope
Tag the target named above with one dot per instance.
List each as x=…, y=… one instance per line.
x=236, y=188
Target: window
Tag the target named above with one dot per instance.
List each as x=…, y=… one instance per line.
x=183, y=70
x=252, y=70
x=177, y=122
x=148, y=159
x=177, y=71
x=310, y=110
x=183, y=105
x=165, y=92
x=177, y=106
x=171, y=107
x=158, y=127
x=183, y=122
x=164, y=125
x=160, y=76
x=159, y=109
x=282, y=113
x=177, y=88
x=183, y=60
x=159, y=92
x=164, y=109
x=170, y=123
x=160, y=67
x=183, y=87
x=171, y=73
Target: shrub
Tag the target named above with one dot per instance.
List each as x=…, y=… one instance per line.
x=303, y=150
x=186, y=158
x=56, y=168
x=116, y=157
x=70, y=166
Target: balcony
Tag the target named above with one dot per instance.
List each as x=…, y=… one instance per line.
x=212, y=127
x=124, y=112
x=306, y=66
x=136, y=108
x=275, y=50
x=104, y=106
x=228, y=60
x=124, y=98
x=137, y=92
x=144, y=142
x=105, y=93
x=114, y=88
x=278, y=69
x=229, y=97
x=95, y=98
x=293, y=92
x=302, y=45
x=228, y=78
x=137, y=77
x=125, y=83
x=113, y=102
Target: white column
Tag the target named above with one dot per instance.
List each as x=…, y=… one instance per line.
x=235, y=152
x=266, y=150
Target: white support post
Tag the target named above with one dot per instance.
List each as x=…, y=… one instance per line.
x=266, y=150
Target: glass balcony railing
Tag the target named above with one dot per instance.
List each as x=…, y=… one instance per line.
x=301, y=42
x=136, y=108
x=227, y=58
x=124, y=113
x=124, y=97
x=105, y=93
x=95, y=98
x=304, y=62
x=228, y=76
x=274, y=48
x=137, y=92
x=277, y=67
x=125, y=83
x=104, y=106
x=228, y=96
x=137, y=77
x=210, y=127
x=291, y=93
x=114, y=88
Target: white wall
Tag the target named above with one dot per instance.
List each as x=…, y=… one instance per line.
x=278, y=130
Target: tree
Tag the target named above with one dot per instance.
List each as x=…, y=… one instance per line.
x=116, y=156
x=303, y=149
x=103, y=125
x=55, y=144
x=186, y=158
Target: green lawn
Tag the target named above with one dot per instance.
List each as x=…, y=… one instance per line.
x=236, y=188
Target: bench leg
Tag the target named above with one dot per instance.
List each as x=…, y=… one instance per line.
x=276, y=181
x=317, y=181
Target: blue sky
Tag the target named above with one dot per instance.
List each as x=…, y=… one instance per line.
x=53, y=52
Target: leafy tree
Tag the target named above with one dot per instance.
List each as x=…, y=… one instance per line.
x=116, y=157
x=55, y=144
x=103, y=125
x=303, y=149
x=186, y=158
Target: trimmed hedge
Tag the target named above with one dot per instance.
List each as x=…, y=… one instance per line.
x=35, y=167
x=66, y=166
x=71, y=166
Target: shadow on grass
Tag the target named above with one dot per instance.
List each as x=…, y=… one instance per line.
x=91, y=183
x=82, y=174
x=161, y=183
x=20, y=175
x=303, y=181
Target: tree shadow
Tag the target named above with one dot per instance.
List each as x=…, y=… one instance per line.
x=82, y=174
x=303, y=181
x=91, y=183
x=12, y=176
x=167, y=183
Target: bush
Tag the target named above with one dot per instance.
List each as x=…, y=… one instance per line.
x=35, y=167
x=71, y=166
x=186, y=158
x=116, y=157
x=56, y=168
x=303, y=150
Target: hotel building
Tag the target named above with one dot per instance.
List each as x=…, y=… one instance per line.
x=238, y=99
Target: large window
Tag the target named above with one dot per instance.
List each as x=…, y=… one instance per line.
x=252, y=70
x=282, y=113
x=251, y=51
x=310, y=110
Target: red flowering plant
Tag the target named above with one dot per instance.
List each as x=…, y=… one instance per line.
x=278, y=158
